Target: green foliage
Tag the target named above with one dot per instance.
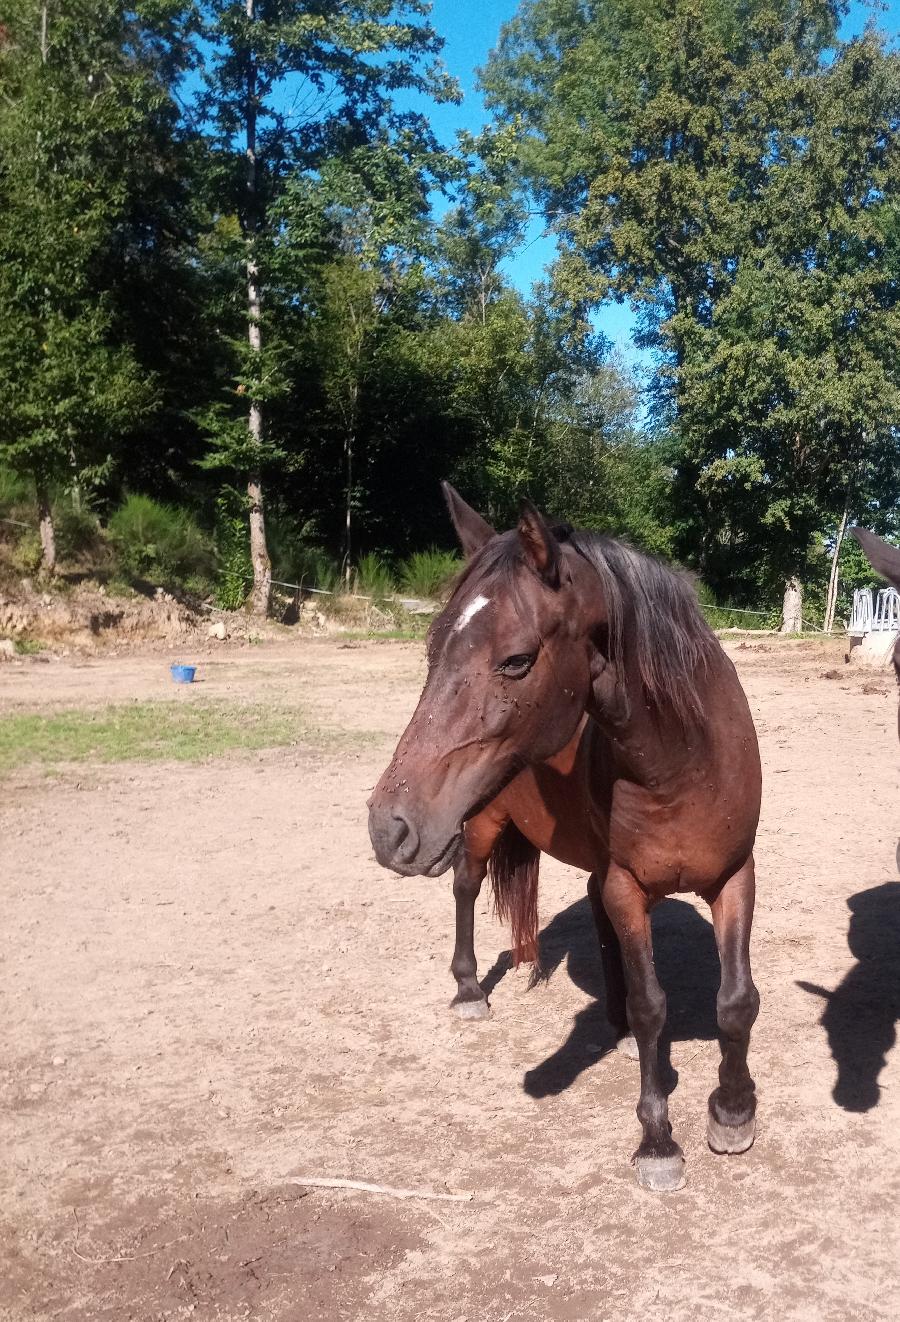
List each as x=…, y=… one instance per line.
x=295, y=559
x=352, y=183
x=26, y=556
x=731, y=617
x=28, y=647
x=77, y=102
x=429, y=573
x=729, y=168
x=79, y=537
x=16, y=495
x=732, y=170
x=234, y=572
x=160, y=543
x=373, y=577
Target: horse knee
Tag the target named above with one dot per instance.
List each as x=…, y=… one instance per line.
x=467, y=884
x=647, y=1011
x=737, y=1008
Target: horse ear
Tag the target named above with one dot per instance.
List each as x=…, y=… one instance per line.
x=883, y=557
x=540, y=546
x=471, y=529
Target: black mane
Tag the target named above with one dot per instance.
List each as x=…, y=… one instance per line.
x=672, y=642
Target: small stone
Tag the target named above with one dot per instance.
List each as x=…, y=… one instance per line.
x=59, y=1060
x=217, y=630
x=7, y=649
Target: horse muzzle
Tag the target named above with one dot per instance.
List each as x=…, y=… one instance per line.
x=400, y=846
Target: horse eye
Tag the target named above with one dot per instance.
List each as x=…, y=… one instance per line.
x=518, y=666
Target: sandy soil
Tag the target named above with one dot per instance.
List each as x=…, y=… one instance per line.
x=211, y=989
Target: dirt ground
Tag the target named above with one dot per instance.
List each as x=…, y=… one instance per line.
x=210, y=989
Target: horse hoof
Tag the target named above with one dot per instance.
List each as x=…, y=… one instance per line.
x=660, y=1174
x=628, y=1046
x=730, y=1138
x=471, y=1009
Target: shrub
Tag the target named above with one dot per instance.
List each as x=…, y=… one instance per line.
x=235, y=572
x=312, y=568
x=294, y=560
x=373, y=577
x=160, y=543
x=15, y=492
x=27, y=554
x=429, y=573
x=77, y=530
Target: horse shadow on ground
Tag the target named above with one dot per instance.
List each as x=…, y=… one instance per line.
x=860, y=1015
x=687, y=965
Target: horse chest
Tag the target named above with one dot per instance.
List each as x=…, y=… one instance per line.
x=683, y=841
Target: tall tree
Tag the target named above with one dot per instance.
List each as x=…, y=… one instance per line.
x=79, y=84
x=290, y=87
x=721, y=166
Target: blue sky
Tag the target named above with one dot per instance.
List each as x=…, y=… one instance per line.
x=470, y=29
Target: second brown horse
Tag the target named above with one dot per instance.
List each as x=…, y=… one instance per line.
x=577, y=704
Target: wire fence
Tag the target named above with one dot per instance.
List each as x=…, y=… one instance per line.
x=770, y=618
x=768, y=614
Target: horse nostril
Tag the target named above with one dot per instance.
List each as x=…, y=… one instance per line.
x=404, y=837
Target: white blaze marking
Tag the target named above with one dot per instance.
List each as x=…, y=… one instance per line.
x=474, y=606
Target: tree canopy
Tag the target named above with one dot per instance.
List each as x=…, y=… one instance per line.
x=240, y=273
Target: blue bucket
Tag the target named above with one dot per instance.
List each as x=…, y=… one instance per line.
x=183, y=674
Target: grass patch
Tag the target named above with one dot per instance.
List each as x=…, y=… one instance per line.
x=174, y=731
x=382, y=635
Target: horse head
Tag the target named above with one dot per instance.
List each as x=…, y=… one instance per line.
x=512, y=658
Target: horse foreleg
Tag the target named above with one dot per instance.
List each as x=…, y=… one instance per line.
x=613, y=972
x=469, y=872
x=731, y=1125
x=658, y=1160
x=470, y=1001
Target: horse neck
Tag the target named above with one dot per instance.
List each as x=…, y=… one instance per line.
x=650, y=744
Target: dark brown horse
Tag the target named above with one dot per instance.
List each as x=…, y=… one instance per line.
x=578, y=705
x=885, y=559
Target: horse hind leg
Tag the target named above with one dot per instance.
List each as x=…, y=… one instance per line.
x=613, y=972
x=731, y=1124
x=658, y=1161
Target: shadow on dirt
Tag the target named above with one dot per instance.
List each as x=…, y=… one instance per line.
x=687, y=964
x=860, y=1015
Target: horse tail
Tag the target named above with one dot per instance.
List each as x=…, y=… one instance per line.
x=514, y=868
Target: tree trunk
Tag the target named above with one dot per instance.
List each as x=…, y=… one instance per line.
x=792, y=610
x=348, y=510
x=48, y=537
x=834, y=578
x=349, y=447
x=259, y=554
